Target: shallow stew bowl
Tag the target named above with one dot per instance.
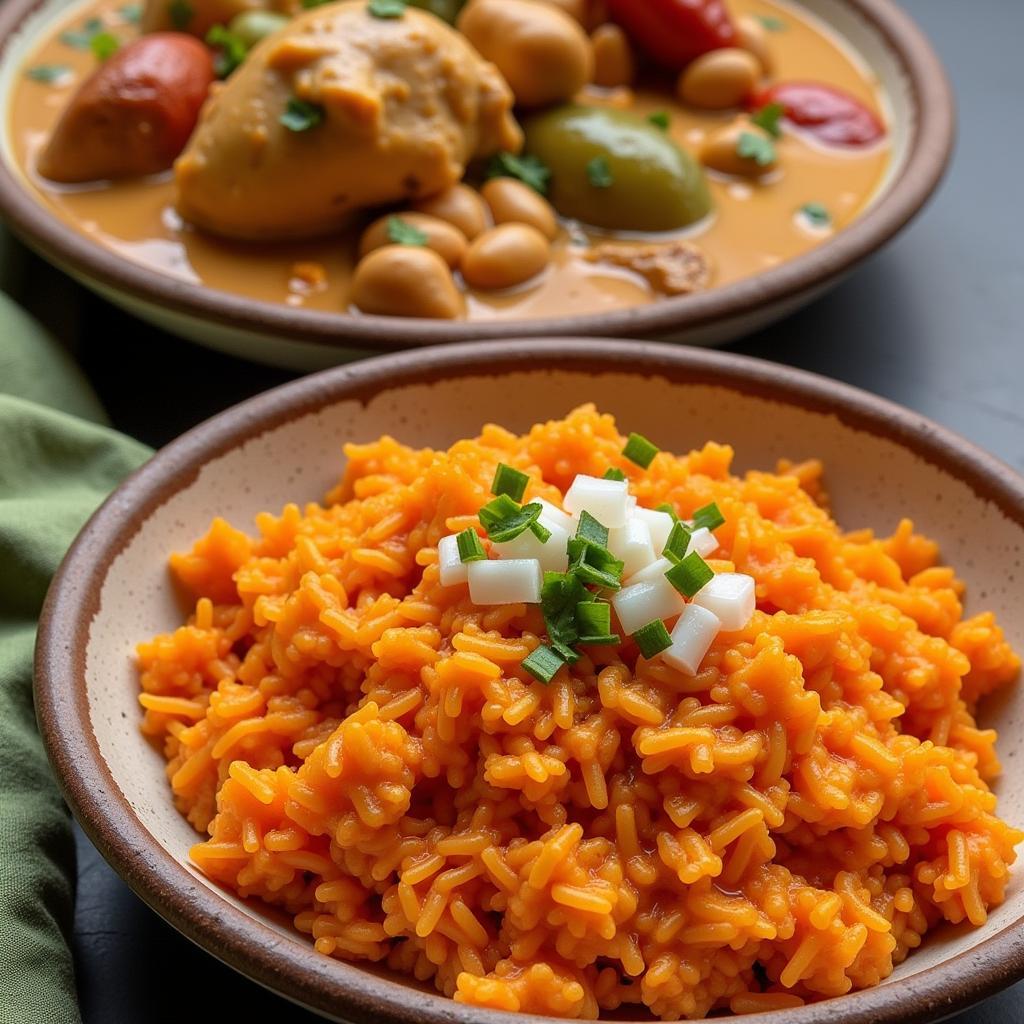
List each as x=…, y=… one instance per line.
x=921, y=114
x=882, y=463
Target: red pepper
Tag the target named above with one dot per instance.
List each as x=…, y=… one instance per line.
x=829, y=114
x=674, y=32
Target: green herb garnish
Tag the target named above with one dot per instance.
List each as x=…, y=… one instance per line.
x=401, y=232
x=594, y=623
x=560, y=594
x=591, y=530
x=708, y=517
x=527, y=169
x=690, y=575
x=660, y=119
x=653, y=638
x=48, y=73
x=771, y=23
x=504, y=519
x=231, y=50
x=180, y=13
x=132, y=13
x=592, y=563
x=755, y=147
x=470, y=548
x=677, y=543
x=599, y=174
x=300, y=116
x=640, y=451
x=508, y=480
x=768, y=118
x=104, y=45
x=668, y=509
x=614, y=474
x=543, y=664
x=817, y=214
x=386, y=8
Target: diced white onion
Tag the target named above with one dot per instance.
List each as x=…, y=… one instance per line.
x=605, y=500
x=552, y=554
x=641, y=603
x=650, y=573
x=505, y=581
x=554, y=514
x=692, y=635
x=632, y=544
x=703, y=541
x=453, y=569
x=660, y=525
x=730, y=596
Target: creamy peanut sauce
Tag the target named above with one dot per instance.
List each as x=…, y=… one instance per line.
x=754, y=226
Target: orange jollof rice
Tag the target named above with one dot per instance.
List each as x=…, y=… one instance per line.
x=366, y=752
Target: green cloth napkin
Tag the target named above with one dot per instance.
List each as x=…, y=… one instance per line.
x=57, y=463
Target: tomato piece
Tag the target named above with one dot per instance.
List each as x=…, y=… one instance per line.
x=829, y=114
x=674, y=32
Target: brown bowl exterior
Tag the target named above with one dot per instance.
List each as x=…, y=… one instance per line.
x=112, y=590
x=708, y=317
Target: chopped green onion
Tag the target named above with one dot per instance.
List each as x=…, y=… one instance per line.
x=559, y=595
x=509, y=481
x=708, y=517
x=594, y=623
x=614, y=474
x=659, y=119
x=180, y=13
x=677, y=543
x=48, y=73
x=594, y=564
x=639, y=450
x=401, y=232
x=504, y=519
x=599, y=174
x=530, y=170
x=568, y=654
x=543, y=664
x=470, y=548
x=690, y=575
x=386, y=8
x=300, y=116
x=771, y=23
x=540, y=531
x=668, y=509
x=653, y=638
x=591, y=530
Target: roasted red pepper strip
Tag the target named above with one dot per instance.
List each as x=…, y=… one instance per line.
x=674, y=32
x=829, y=114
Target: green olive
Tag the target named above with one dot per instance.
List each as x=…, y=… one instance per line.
x=255, y=25
x=615, y=170
x=446, y=10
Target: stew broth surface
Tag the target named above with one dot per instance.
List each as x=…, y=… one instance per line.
x=754, y=226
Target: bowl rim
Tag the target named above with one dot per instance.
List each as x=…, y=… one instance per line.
x=930, y=145
x=293, y=969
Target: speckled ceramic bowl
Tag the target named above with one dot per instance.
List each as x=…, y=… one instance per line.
x=113, y=589
x=921, y=113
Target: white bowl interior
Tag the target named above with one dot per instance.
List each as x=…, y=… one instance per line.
x=873, y=482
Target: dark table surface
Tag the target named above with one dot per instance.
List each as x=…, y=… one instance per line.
x=932, y=322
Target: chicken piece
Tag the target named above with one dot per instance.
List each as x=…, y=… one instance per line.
x=134, y=114
x=670, y=268
x=340, y=111
x=196, y=17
